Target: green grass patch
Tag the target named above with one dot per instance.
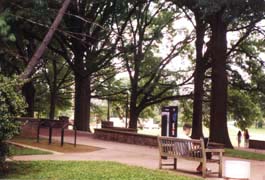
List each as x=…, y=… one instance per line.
x=55, y=146
x=244, y=154
x=259, y=131
x=21, y=151
x=96, y=170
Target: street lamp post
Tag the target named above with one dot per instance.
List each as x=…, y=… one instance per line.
x=108, y=113
x=127, y=109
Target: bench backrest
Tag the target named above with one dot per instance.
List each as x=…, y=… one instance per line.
x=170, y=146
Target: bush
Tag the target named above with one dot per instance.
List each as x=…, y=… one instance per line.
x=12, y=105
x=243, y=109
x=260, y=124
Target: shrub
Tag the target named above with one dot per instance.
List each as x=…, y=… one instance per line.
x=12, y=105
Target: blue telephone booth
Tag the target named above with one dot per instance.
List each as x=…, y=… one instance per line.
x=169, y=125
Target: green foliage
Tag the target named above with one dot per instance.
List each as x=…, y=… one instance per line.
x=186, y=111
x=149, y=112
x=99, y=112
x=12, y=105
x=96, y=170
x=5, y=30
x=233, y=10
x=106, y=87
x=186, y=107
x=252, y=85
x=244, y=154
x=55, y=81
x=152, y=81
x=243, y=109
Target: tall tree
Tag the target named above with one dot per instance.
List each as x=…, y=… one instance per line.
x=88, y=48
x=223, y=15
x=151, y=80
x=218, y=112
x=199, y=76
x=88, y=43
x=192, y=10
x=59, y=78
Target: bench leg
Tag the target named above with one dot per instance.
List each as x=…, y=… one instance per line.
x=50, y=135
x=204, y=170
x=160, y=162
x=38, y=135
x=221, y=165
x=175, y=163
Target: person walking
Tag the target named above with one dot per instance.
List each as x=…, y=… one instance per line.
x=239, y=137
x=246, y=138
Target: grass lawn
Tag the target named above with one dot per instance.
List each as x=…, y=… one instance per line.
x=19, y=151
x=55, y=146
x=244, y=154
x=258, y=131
x=85, y=170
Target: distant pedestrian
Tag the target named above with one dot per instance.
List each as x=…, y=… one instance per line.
x=239, y=137
x=246, y=138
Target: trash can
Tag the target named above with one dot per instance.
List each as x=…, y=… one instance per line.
x=237, y=170
x=106, y=124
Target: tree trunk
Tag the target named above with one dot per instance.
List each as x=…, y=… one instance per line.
x=133, y=100
x=218, y=119
x=53, y=91
x=134, y=116
x=52, y=105
x=82, y=102
x=198, y=80
x=28, y=90
x=34, y=61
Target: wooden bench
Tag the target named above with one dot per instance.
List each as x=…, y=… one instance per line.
x=194, y=150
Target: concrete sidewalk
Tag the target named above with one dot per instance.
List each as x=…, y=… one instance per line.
x=132, y=155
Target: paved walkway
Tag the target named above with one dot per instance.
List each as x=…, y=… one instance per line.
x=133, y=155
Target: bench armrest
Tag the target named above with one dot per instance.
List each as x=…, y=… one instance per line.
x=215, y=150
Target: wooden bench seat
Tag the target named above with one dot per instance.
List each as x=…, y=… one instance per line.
x=193, y=150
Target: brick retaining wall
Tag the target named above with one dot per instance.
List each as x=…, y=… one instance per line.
x=256, y=144
x=125, y=137
x=123, y=129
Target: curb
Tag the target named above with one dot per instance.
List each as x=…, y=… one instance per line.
x=37, y=148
